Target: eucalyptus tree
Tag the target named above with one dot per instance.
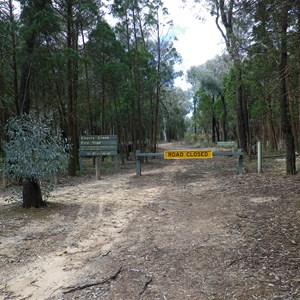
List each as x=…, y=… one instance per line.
x=34, y=152
x=151, y=59
x=273, y=35
x=9, y=103
x=207, y=82
x=87, y=22
x=229, y=18
x=109, y=74
x=164, y=58
x=175, y=107
x=206, y=89
x=37, y=21
x=130, y=30
x=230, y=24
x=268, y=31
x=76, y=19
x=285, y=11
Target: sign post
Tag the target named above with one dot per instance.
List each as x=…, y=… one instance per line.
x=97, y=146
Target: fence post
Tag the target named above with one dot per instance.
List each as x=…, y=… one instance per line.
x=116, y=163
x=259, y=157
x=56, y=179
x=4, y=180
x=138, y=165
x=80, y=165
x=97, y=166
x=240, y=162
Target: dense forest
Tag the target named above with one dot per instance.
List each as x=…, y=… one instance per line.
x=63, y=60
x=253, y=94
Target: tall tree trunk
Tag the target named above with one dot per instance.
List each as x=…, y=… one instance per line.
x=241, y=118
x=32, y=196
x=72, y=71
x=271, y=134
x=3, y=109
x=139, y=144
x=298, y=55
x=152, y=125
x=33, y=31
x=246, y=119
x=24, y=96
x=131, y=108
x=194, y=114
x=14, y=57
x=213, y=121
x=102, y=105
x=224, y=121
x=88, y=89
x=285, y=117
x=158, y=85
x=291, y=112
x=225, y=11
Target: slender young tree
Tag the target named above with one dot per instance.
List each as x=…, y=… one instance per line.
x=207, y=82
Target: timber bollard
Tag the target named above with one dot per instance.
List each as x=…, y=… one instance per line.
x=97, y=167
x=4, y=181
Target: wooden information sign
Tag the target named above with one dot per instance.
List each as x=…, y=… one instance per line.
x=98, y=145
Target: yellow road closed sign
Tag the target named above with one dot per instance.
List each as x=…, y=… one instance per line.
x=187, y=154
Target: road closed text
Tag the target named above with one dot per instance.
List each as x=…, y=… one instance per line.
x=176, y=154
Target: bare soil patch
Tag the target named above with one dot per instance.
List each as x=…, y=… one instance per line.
x=185, y=229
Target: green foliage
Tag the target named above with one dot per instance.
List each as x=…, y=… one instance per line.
x=176, y=106
x=211, y=108
x=34, y=151
x=197, y=140
x=204, y=110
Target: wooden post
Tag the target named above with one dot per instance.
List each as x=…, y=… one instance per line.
x=80, y=165
x=97, y=167
x=56, y=179
x=259, y=157
x=116, y=163
x=4, y=180
x=138, y=165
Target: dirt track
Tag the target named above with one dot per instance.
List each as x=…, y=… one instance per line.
x=185, y=229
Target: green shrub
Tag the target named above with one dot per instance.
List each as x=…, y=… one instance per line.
x=34, y=152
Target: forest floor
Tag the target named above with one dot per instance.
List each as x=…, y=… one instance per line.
x=185, y=229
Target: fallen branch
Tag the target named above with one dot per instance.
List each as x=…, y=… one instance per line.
x=236, y=260
x=82, y=287
x=242, y=216
x=146, y=285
